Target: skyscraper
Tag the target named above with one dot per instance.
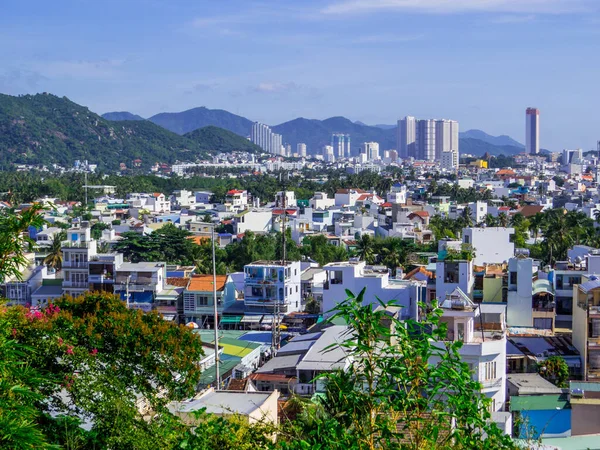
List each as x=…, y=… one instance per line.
x=341, y=144
x=301, y=150
x=425, y=139
x=532, y=131
x=262, y=136
x=446, y=137
x=407, y=137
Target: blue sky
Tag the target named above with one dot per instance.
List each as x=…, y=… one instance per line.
x=481, y=62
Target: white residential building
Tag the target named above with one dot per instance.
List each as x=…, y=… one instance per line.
x=452, y=274
x=271, y=285
x=262, y=136
x=139, y=283
x=482, y=330
x=371, y=149
x=301, y=150
x=257, y=220
x=77, y=251
x=321, y=200
x=449, y=160
x=183, y=199
x=328, y=153
x=426, y=140
x=237, y=198
x=491, y=245
x=356, y=275
x=203, y=197
x=348, y=197
x=407, y=137
x=446, y=137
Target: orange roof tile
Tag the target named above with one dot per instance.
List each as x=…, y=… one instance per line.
x=204, y=283
x=198, y=240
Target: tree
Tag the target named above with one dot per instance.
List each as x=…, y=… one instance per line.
x=406, y=387
x=364, y=248
x=97, y=228
x=54, y=259
x=103, y=361
x=555, y=370
x=15, y=240
x=466, y=217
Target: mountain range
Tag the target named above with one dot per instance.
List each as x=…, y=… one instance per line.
x=44, y=129
x=317, y=133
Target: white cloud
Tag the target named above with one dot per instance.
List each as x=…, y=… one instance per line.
x=272, y=87
x=460, y=6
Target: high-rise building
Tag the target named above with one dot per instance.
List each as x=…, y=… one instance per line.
x=407, y=133
x=532, y=131
x=446, y=137
x=301, y=150
x=371, y=149
x=262, y=136
x=426, y=140
x=341, y=145
x=328, y=153
x=449, y=160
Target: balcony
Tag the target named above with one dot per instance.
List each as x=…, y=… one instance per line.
x=100, y=279
x=76, y=244
x=75, y=264
x=594, y=311
x=134, y=287
x=137, y=280
x=494, y=383
x=76, y=284
x=304, y=389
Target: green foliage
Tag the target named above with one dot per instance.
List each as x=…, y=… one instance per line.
x=555, y=370
x=54, y=259
x=104, y=362
x=14, y=239
x=45, y=129
x=97, y=229
x=219, y=140
x=319, y=249
x=461, y=195
x=406, y=388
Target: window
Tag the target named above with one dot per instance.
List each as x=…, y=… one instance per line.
x=490, y=370
x=296, y=289
x=467, y=239
x=513, y=278
x=201, y=300
x=188, y=302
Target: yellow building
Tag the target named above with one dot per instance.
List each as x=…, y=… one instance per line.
x=479, y=164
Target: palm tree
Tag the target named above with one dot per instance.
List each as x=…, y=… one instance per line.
x=503, y=220
x=466, y=216
x=391, y=258
x=535, y=224
x=364, y=248
x=104, y=247
x=490, y=221
x=54, y=259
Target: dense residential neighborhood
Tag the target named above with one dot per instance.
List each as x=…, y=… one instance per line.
x=508, y=256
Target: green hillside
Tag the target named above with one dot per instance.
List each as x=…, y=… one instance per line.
x=43, y=129
x=121, y=115
x=217, y=139
x=196, y=118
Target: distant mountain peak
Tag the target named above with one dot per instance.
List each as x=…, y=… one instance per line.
x=121, y=115
x=501, y=140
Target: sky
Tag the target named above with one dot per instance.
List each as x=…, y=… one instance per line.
x=481, y=62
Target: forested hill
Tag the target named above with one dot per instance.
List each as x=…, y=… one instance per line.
x=218, y=139
x=43, y=129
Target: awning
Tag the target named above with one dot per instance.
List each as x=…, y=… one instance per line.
x=267, y=319
x=231, y=319
x=542, y=286
x=251, y=319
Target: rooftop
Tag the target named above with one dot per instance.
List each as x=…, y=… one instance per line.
x=141, y=267
x=204, y=283
x=532, y=384
x=321, y=356
x=226, y=402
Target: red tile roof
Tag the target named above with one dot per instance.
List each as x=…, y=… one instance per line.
x=204, y=283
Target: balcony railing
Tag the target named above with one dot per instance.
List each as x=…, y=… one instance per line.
x=75, y=264
x=134, y=287
x=139, y=280
x=76, y=284
x=100, y=278
x=493, y=383
x=76, y=244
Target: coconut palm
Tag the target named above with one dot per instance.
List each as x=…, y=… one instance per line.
x=364, y=248
x=54, y=259
x=503, y=220
x=490, y=221
x=466, y=216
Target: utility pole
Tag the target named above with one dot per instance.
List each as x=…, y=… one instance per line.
x=216, y=311
x=276, y=334
x=127, y=291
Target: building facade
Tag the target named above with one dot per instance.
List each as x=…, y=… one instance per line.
x=532, y=131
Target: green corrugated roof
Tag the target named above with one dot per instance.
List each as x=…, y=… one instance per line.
x=542, y=286
x=208, y=376
x=539, y=402
x=231, y=319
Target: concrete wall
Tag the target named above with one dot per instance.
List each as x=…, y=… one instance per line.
x=585, y=419
x=491, y=245
x=580, y=330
